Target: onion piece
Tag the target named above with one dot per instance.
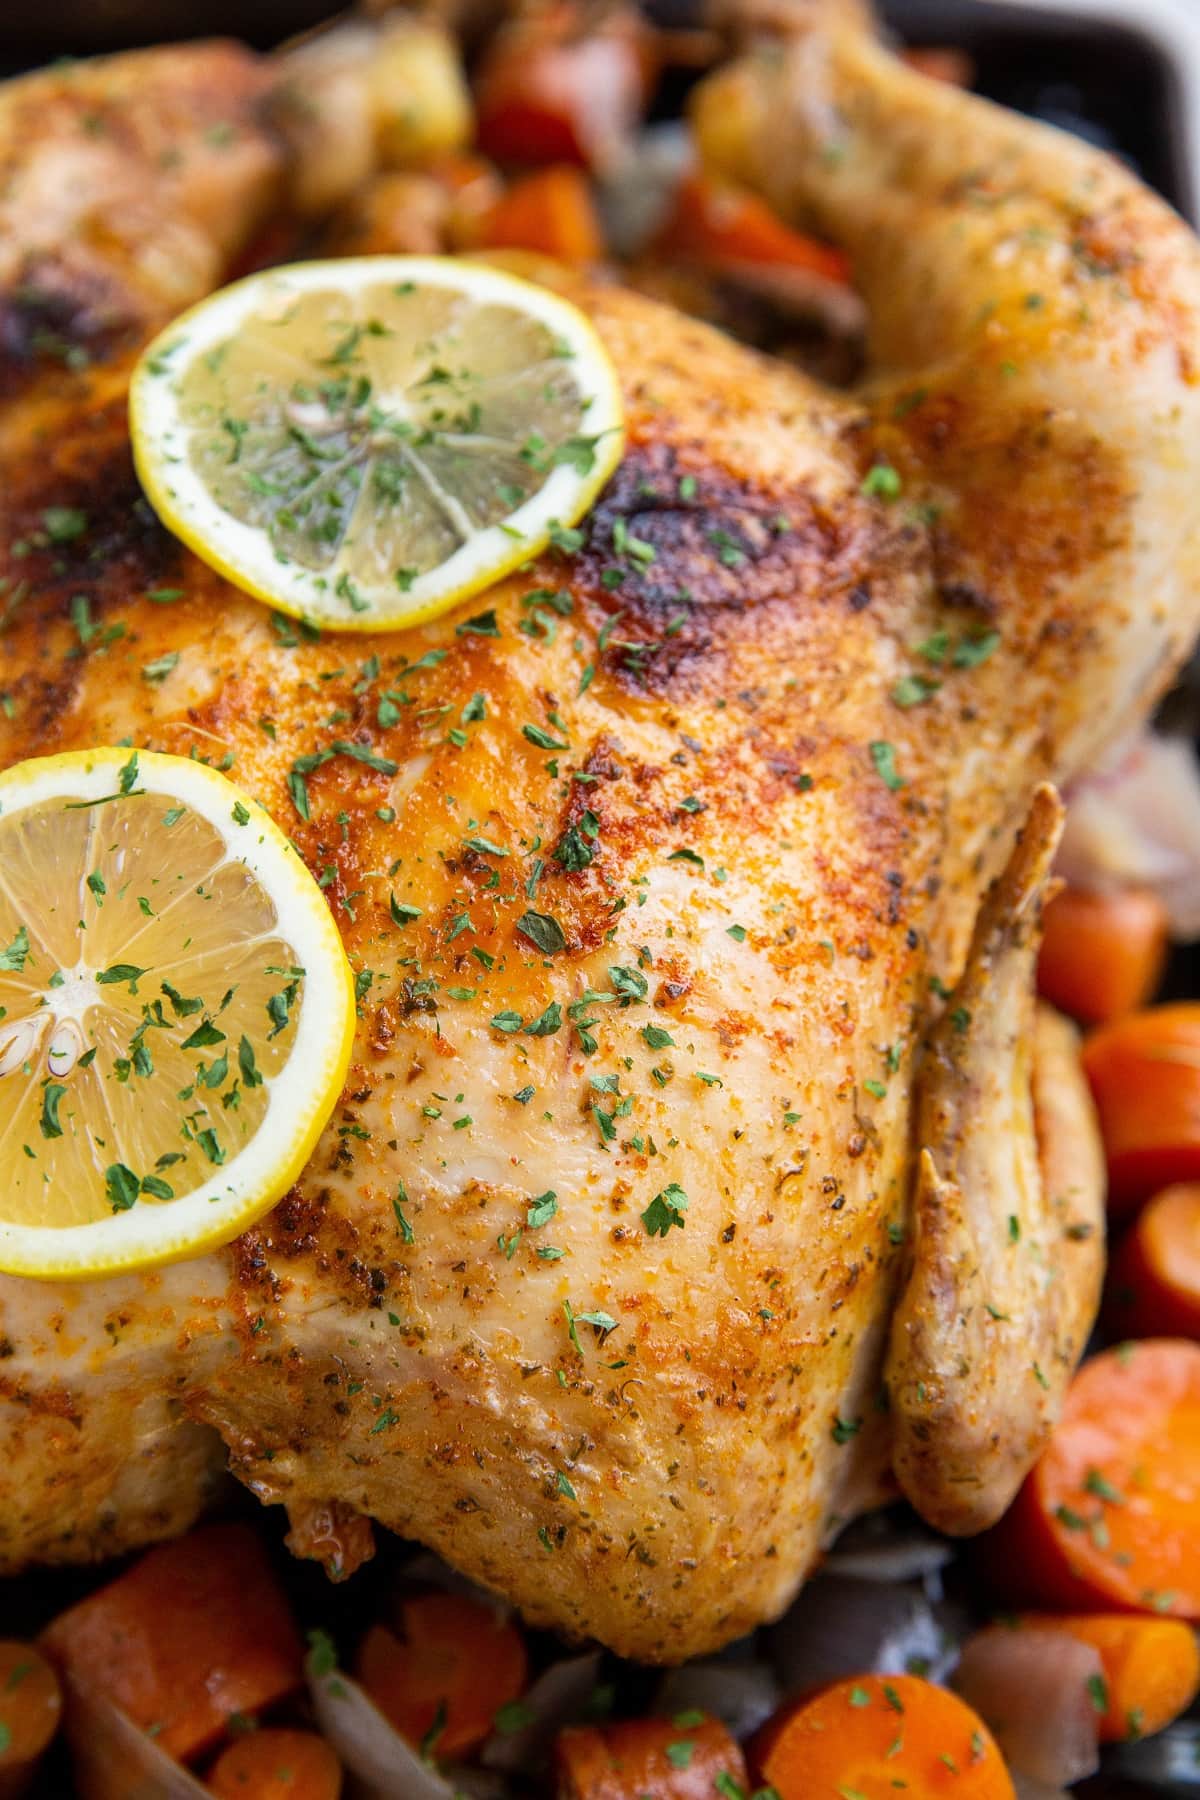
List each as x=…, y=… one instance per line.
x=743, y=1695
x=114, y=1759
x=638, y=189
x=1136, y=820
x=1036, y=1790
x=558, y=1697
x=879, y=1548
x=370, y=1747
x=425, y=1570
x=1031, y=1686
x=841, y=1626
x=1169, y=1763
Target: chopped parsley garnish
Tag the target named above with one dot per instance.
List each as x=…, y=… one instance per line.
x=63, y=524
x=574, y=850
x=15, y=955
x=543, y=930
x=913, y=690
x=161, y=667
x=665, y=1210
x=883, y=756
x=546, y=1024
x=882, y=482
x=403, y=1226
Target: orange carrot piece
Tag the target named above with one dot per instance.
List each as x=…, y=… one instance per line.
x=1109, y=1519
x=719, y=225
x=1151, y=1668
x=277, y=1764
x=441, y=1682
x=875, y=1735
x=1102, y=954
x=942, y=63
x=30, y=1709
x=1154, y=1281
x=550, y=211
x=191, y=1633
x=473, y=186
x=660, y=1759
x=1145, y=1077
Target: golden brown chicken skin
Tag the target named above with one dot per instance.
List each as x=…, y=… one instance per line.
x=589, y=1284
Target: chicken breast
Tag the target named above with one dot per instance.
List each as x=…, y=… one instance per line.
x=590, y=1282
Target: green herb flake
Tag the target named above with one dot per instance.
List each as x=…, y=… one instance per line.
x=882, y=482
x=63, y=524
x=547, y=1022
x=665, y=1210
x=1097, y=1689
x=883, y=756
x=542, y=930
x=14, y=957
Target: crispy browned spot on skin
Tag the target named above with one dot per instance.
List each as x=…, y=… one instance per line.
x=86, y=463
x=59, y=319
x=305, y=1224
x=1034, y=505
x=709, y=565
x=47, y=1401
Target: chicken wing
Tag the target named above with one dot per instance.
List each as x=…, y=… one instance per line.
x=1008, y=1218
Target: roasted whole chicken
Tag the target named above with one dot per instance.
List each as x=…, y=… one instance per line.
x=795, y=1199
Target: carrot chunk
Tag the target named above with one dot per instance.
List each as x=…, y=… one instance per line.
x=30, y=1709
x=1151, y=1668
x=441, y=1682
x=942, y=63
x=277, y=1764
x=650, y=1759
x=191, y=1633
x=1110, y=1517
x=1154, y=1282
x=551, y=212
x=1102, y=954
x=874, y=1735
x=1145, y=1077
x=717, y=224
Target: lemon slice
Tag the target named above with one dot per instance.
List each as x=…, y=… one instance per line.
x=176, y=1012
x=363, y=443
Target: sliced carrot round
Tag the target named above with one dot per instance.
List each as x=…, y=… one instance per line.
x=1145, y=1077
x=1110, y=1516
x=1151, y=1668
x=690, y=1757
x=442, y=1680
x=30, y=1705
x=1154, y=1282
x=1102, y=954
x=874, y=1736
x=277, y=1764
